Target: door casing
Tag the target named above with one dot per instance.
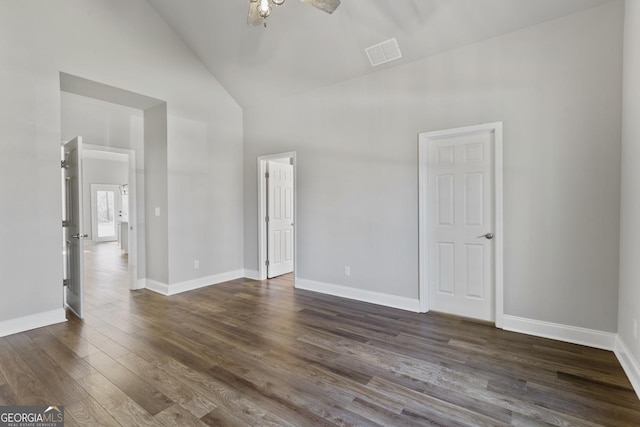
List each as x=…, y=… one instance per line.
x=134, y=283
x=262, y=211
x=423, y=176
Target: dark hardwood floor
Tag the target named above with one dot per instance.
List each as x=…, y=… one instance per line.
x=259, y=353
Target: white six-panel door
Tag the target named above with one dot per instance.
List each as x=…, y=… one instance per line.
x=280, y=213
x=461, y=224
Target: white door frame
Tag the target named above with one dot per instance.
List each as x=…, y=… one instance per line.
x=262, y=211
x=134, y=283
x=423, y=171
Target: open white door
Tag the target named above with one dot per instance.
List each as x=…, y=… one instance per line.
x=280, y=218
x=73, y=232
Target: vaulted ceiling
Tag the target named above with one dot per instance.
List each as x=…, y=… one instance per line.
x=303, y=48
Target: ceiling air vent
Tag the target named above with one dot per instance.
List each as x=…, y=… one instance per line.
x=384, y=52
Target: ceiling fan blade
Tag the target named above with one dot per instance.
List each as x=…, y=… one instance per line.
x=253, y=17
x=328, y=6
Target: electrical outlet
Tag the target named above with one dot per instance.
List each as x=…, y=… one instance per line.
x=157, y=211
x=196, y=264
x=347, y=270
x=635, y=329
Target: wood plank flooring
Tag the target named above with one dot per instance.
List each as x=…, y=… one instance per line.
x=260, y=353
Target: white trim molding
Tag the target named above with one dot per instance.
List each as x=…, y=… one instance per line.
x=155, y=286
x=559, y=332
x=262, y=210
x=33, y=321
x=140, y=284
x=403, y=303
x=252, y=274
x=125, y=154
x=629, y=364
x=189, y=285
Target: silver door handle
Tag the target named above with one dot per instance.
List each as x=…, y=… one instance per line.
x=80, y=236
x=487, y=236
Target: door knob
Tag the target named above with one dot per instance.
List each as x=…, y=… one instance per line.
x=487, y=236
x=80, y=236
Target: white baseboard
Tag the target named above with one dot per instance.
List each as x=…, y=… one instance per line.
x=33, y=321
x=252, y=274
x=629, y=364
x=155, y=286
x=555, y=331
x=140, y=284
x=189, y=285
x=403, y=303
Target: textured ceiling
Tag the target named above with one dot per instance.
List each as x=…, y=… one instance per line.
x=303, y=48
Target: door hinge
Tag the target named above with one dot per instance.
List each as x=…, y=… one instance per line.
x=266, y=219
x=64, y=164
x=266, y=175
x=65, y=223
x=65, y=282
x=266, y=263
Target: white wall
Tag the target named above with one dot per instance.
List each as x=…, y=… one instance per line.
x=556, y=87
x=125, y=44
x=156, y=193
x=102, y=123
x=629, y=302
x=99, y=171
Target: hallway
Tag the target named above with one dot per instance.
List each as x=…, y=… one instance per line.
x=105, y=274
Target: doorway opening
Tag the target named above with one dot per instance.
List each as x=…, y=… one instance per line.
x=107, y=203
x=106, y=214
x=461, y=222
x=117, y=122
x=276, y=215
x=100, y=222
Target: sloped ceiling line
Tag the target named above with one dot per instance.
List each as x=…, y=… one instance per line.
x=304, y=48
